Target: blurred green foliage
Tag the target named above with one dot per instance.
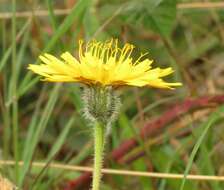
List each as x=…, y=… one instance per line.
x=47, y=118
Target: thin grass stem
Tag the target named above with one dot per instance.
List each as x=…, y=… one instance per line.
x=14, y=92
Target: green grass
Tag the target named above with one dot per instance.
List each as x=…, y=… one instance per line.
x=205, y=129
x=42, y=121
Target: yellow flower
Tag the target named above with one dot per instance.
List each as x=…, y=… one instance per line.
x=105, y=64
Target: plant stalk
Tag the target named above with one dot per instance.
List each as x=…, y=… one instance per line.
x=13, y=93
x=99, y=140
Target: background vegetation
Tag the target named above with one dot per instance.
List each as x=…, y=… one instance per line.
x=179, y=131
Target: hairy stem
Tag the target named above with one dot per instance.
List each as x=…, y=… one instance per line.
x=99, y=140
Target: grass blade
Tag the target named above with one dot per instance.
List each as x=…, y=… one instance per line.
x=29, y=150
x=9, y=50
x=14, y=91
x=76, y=11
x=206, y=126
x=57, y=146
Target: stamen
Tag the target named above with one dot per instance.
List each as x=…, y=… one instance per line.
x=141, y=56
x=99, y=50
x=126, y=52
x=109, y=50
x=80, y=49
x=88, y=46
x=104, y=49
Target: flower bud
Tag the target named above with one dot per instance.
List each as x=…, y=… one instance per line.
x=101, y=104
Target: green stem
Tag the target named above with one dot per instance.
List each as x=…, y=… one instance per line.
x=99, y=140
x=14, y=93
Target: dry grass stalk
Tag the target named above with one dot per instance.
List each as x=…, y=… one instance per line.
x=119, y=172
x=58, y=12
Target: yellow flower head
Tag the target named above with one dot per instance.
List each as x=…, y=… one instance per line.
x=105, y=64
